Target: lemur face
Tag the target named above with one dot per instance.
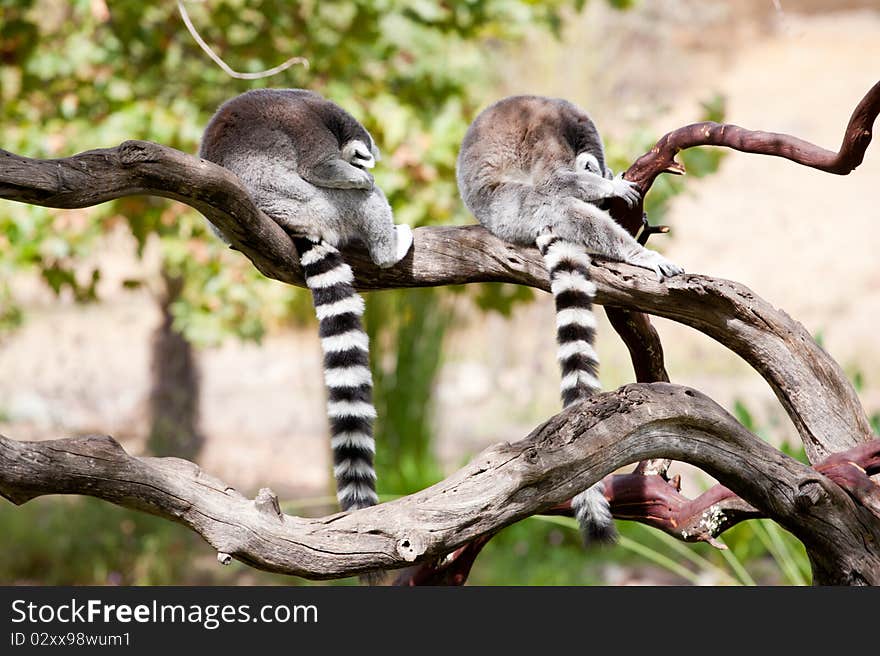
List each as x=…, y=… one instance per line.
x=587, y=162
x=356, y=153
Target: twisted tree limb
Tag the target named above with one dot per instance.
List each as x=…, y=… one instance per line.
x=635, y=329
x=657, y=502
x=810, y=385
x=502, y=485
x=661, y=158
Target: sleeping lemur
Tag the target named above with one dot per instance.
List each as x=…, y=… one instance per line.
x=303, y=159
x=532, y=170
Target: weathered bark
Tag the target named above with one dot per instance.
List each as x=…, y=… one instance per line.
x=653, y=500
x=634, y=328
x=656, y=422
x=810, y=385
x=649, y=498
x=502, y=485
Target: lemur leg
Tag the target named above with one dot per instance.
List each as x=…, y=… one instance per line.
x=584, y=223
x=311, y=218
x=387, y=243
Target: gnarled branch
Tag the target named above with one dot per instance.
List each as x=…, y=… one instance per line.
x=657, y=502
x=661, y=158
x=502, y=485
x=810, y=385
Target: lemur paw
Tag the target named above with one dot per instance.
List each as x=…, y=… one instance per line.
x=652, y=260
x=404, y=240
x=626, y=190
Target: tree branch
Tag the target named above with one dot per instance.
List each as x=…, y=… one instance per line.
x=661, y=158
x=646, y=354
x=657, y=502
x=810, y=385
x=502, y=485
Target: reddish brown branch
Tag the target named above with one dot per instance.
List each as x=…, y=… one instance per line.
x=452, y=569
x=661, y=158
x=654, y=501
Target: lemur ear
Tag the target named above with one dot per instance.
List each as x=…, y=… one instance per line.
x=587, y=162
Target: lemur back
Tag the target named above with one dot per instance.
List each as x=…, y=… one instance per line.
x=532, y=170
x=303, y=159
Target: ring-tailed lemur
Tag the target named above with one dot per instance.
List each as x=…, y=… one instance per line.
x=532, y=170
x=303, y=159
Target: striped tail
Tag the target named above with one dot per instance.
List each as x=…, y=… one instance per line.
x=346, y=371
x=569, y=266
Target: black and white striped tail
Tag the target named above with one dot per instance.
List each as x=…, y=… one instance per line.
x=346, y=371
x=569, y=266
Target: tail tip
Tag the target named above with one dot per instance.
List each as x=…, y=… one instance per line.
x=593, y=513
x=597, y=534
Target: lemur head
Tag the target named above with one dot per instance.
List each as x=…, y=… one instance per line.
x=358, y=154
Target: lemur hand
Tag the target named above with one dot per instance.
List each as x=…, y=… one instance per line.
x=648, y=259
x=357, y=179
x=626, y=190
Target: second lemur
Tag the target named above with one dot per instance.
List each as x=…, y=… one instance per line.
x=532, y=171
x=304, y=161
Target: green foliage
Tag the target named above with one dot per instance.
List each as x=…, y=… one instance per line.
x=535, y=552
x=858, y=381
x=84, y=541
x=114, y=546
x=546, y=550
x=502, y=297
x=11, y=316
x=81, y=75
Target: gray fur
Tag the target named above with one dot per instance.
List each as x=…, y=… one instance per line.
x=304, y=162
x=532, y=170
x=518, y=174
x=304, y=159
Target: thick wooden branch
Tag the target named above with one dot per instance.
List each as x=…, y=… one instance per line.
x=452, y=569
x=634, y=328
x=655, y=501
x=500, y=486
x=810, y=385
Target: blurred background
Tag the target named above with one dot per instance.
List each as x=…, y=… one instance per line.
x=131, y=319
